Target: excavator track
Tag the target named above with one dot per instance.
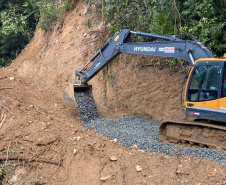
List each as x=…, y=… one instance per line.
x=194, y=133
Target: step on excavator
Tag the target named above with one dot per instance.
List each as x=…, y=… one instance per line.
x=203, y=91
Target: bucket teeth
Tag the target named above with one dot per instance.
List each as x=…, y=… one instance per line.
x=82, y=87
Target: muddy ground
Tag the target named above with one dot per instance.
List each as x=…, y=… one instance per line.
x=42, y=138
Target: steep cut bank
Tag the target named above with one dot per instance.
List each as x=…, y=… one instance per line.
x=132, y=85
x=140, y=85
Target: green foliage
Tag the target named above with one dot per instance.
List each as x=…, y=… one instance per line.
x=135, y=67
x=105, y=72
x=52, y=11
x=205, y=19
x=136, y=15
x=112, y=78
x=161, y=24
x=1, y=172
x=1, y=175
x=89, y=1
x=147, y=115
x=174, y=62
x=125, y=105
x=127, y=15
x=18, y=21
x=89, y=23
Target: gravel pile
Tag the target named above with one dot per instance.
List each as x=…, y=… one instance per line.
x=137, y=131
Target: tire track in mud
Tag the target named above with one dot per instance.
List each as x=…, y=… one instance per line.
x=137, y=131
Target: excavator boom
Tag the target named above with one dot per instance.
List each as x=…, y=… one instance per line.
x=170, y=47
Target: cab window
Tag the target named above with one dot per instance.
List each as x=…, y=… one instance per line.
x=204, y=83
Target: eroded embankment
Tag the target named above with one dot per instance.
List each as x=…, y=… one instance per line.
x=137, y=131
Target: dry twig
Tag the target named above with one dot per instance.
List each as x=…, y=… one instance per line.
x=2, y=115
x=47, y=114
x=2, y=158
x=95, y=40
x=55, y=170
x=3, y=88
x=39, y=110
x=7, y=109
x=97, y=31
x=3, y=120
x=7, y=155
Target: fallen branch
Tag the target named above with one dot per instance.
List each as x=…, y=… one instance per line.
x=42, y=143
x=26, y=134
x=95, y=40
x=3, y=158
x=39, y=110
x=3, y=88
x=48, y=142
x=7, y=156
x=7, y=109
x=47, y=114
x=3, y=120
x=96, y=31
x=2, y=115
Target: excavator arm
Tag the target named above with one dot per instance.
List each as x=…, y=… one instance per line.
x=204, y=93
x=168, y=46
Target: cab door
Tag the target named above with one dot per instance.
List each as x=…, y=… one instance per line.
x=222, y=101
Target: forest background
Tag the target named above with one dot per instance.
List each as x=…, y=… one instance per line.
x=202, y=20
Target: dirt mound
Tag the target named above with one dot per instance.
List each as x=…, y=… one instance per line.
x=42, y=139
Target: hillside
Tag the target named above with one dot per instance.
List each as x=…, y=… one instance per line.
x=42, y=138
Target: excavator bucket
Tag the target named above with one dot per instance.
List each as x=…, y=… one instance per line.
x=72, y=88
x=82, y=87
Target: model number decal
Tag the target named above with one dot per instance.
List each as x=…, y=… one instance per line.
x=150, y=49
x=169, y=49
x=195, y=113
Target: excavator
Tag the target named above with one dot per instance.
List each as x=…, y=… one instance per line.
x=203, y=90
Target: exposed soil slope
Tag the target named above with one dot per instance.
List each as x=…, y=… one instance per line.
x=46, y=134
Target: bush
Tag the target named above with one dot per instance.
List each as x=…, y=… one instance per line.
x=18, y=22
x=205, y=19
x=52, y=11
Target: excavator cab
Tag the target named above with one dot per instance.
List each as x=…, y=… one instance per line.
x=205, y=99
x=206, y=90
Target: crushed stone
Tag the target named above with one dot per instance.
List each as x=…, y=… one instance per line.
x=135, y=130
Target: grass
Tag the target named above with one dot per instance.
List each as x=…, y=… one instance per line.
x=112, y=78
x=147, y=115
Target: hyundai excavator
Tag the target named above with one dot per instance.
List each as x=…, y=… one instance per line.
x=203, y=90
